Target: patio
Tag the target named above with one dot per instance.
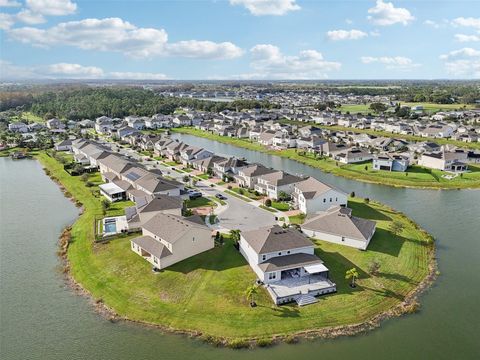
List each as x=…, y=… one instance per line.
x=290, y=287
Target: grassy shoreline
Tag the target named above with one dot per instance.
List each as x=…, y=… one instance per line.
x=418, y=177
x=189, y=296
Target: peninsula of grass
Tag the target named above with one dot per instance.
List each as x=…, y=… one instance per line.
x=415, y=177
x=205, y=295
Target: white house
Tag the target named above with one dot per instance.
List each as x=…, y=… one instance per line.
x=312, y=195
x=390, y=162
x=168, y=239
x=445, y=160
x=284, y=260
x=337, y=225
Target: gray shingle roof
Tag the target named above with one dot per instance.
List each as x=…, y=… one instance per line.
x=171, y=227
x=275, y=238
x=154, y=247
x=339, y=221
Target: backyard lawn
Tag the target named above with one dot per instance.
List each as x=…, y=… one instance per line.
x=206, y=293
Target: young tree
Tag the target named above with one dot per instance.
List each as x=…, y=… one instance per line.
x=396, y=227
x=352, y=274
x=235, y=236
x=250, y=293
x=84, y=177
x=374, y=267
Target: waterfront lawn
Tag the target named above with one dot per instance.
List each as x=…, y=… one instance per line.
x=206, y=292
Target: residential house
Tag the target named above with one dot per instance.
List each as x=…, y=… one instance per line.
x=229, y=167
x=353, y=155
x=390, y=162
x=168, y=239
x=312, y=195
x=338, y=225
x=275, y=183
x=64, y=145
x=142, y=212
x=19, y=127
x=55, y=124
x=248, y=176
x=454, y=161
x=284, y=260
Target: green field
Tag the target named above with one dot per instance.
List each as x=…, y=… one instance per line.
x=206, y=293
x=427, y=107
x=417, y=176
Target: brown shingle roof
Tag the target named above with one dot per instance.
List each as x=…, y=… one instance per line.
x=154, y=247
x=171, y=227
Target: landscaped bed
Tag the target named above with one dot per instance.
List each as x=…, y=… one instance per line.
x=418, y=177
x=205, y=295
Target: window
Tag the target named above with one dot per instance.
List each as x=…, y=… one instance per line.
x=272, y=276
x=330, y=199
x=324, y=200
x=264, y=257
x=280, y=253
x=343, y=238
x=288, y=251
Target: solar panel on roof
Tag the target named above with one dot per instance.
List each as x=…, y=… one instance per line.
x=133, y=176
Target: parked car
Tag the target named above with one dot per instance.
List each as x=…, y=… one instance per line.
x=221, y=196
x=195, y=195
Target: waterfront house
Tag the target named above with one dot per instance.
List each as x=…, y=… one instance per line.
x=144, y=211
x=64, y=145
x=454, y=161
x=390, y=162
x=339, y=226
x=168, y=239
x=312, y=195
x=353, y=155
x=228, y=167
x=284, y=260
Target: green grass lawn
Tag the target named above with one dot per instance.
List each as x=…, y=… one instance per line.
x=280, y=205
x=427, y=107
x=267, y=208
x=246, y=192
x=206, y=292
x=297, y=219
x=204, y=176
x=233, y=193
x=418, y=177
x=200, y=202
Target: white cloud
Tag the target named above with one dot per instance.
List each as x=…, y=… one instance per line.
x=9, y=3
x=75, y=71
x=467, y=22
x=6, y=21
x=136, y=76
x=204, y=49
x=393, y=63
x=465, y=52
x=467, y=38
x=69, y=71
x=51, y=7
x=464, y=68
x=267, y=7
x=432, y=24
x=117, y=35
x=268, y=62
x=463, y=63
x=385, y=14
x=336, y=35
x=29, y=17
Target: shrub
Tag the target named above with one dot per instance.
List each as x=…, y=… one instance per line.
x=352, y=194
x=264, y=342
x=367, y=200
x=89, y=184
x=268, y=202
x=229, y=187
x=84, y=177
x=237, y=344
x=241, y=191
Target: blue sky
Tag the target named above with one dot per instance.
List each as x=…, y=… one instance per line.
x=240, y=39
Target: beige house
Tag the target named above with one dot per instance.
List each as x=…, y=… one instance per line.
x=312, y=195
x=445, y=160
x=167, y=239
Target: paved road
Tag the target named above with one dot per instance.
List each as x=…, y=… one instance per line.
x=240, y=214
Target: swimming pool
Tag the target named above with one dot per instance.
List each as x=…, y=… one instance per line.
x=110, y=227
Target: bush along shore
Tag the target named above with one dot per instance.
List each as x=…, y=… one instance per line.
x=415, y=177
x=189, y=297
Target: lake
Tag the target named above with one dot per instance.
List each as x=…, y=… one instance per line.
x=40, y=318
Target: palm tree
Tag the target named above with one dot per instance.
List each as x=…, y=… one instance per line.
x=250, y=293
x=352, y=274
